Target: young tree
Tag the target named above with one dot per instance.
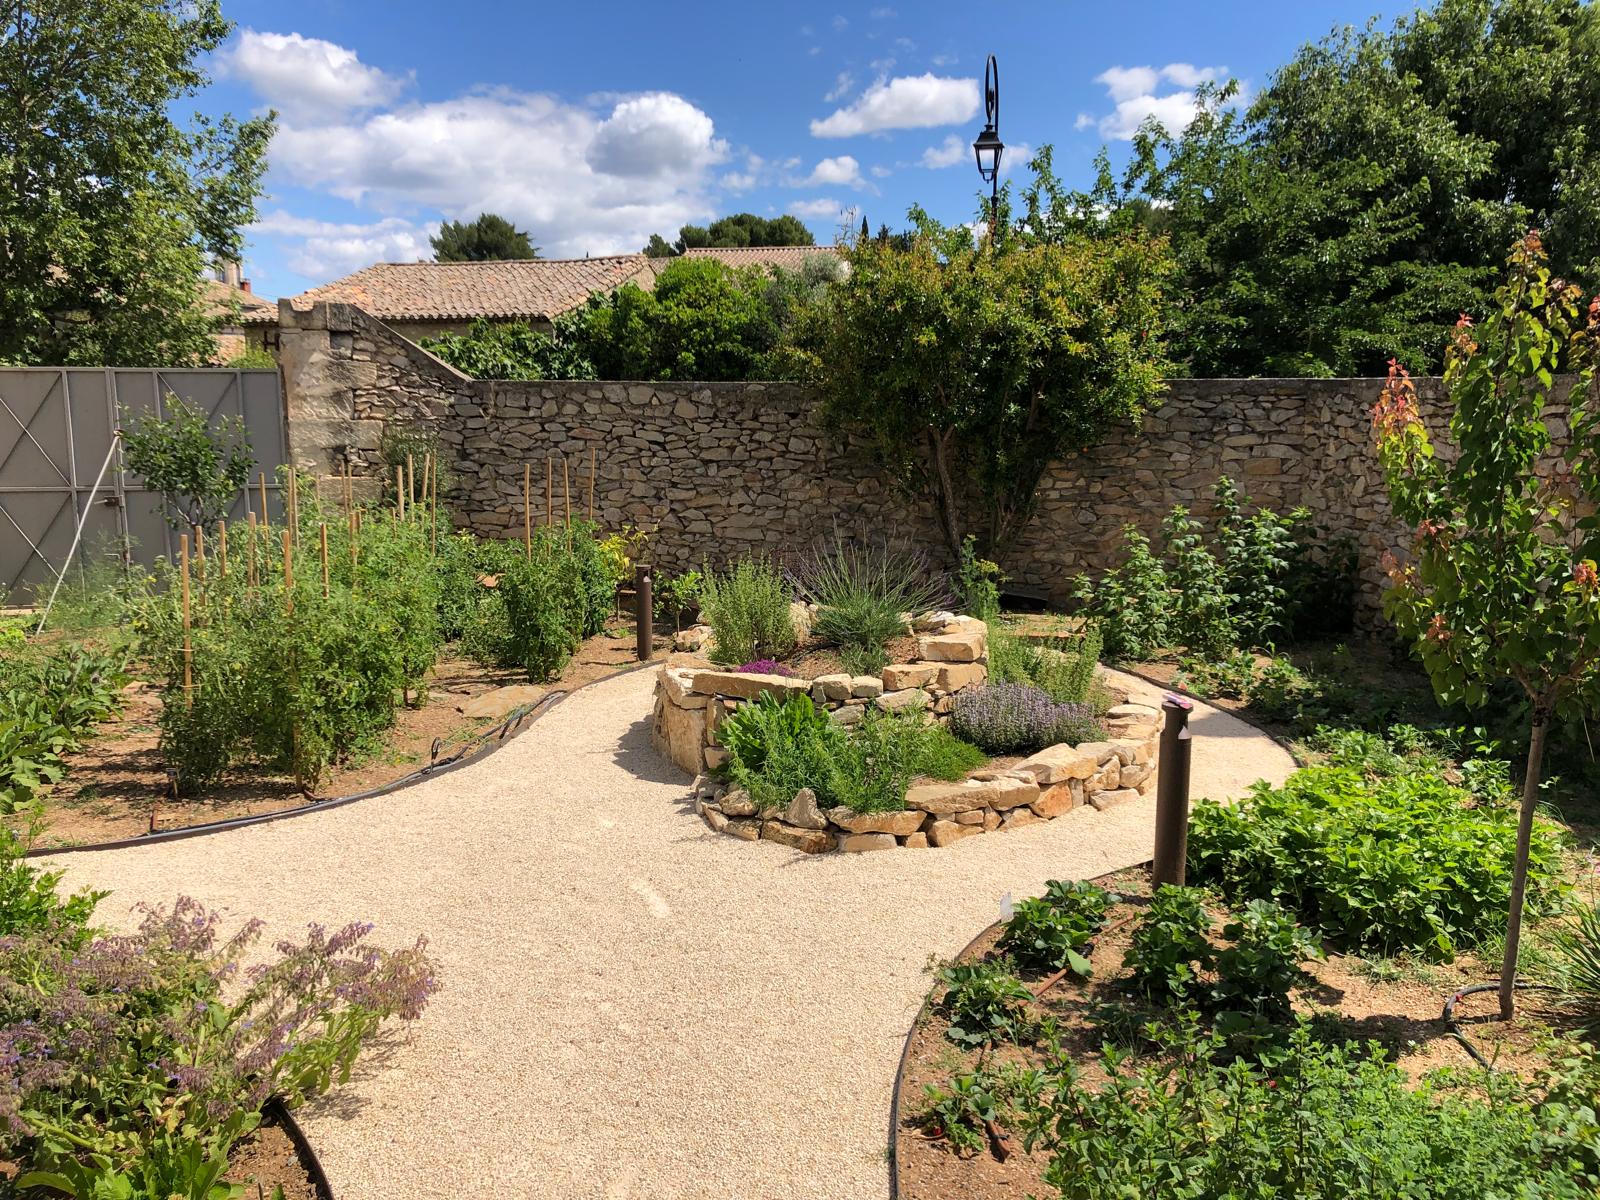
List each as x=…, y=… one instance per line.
x=969, y=367
x=197, y=469
x=745, y=229
x=486, y=238
x=1503, y=585
x=109, y=208
x=659, y=247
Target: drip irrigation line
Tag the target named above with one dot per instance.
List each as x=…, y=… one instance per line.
x=276, y=1110
x=1455, y=1026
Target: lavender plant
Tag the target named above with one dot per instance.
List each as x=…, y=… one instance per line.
x=130, y=1065
x=1011, y=718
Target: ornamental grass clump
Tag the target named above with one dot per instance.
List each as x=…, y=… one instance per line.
x=1012, y=718
x=863, y=593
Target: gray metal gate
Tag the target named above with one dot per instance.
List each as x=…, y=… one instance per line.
x=57, y=427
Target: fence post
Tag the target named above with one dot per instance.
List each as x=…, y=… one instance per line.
x=1172, y=793
x=644, y=619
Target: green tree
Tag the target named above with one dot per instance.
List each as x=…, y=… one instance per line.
x=1503, y=584
x=197, y=468
x=1366, y=195
x=511, y=351
x=744, y=229
x=968, y=368
x=486, y=238
x=109, y=207
x=703, y=320
x=659, y=247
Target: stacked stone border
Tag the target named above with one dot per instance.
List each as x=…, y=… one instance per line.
x=952, y=655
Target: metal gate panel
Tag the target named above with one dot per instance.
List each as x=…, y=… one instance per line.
x=56, y=428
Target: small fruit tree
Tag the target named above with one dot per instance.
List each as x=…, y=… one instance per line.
x=1503, y=584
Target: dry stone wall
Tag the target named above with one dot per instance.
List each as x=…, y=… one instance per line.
x=720, y=468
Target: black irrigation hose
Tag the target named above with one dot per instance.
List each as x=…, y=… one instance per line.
x=1449, y=1016
x=277, y=1111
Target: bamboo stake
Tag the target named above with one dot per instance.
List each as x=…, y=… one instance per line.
x=527, y=513
x=591, y=485
x=355, y=552
x=200, y=563
x=400, y=491
x=288, y=610
x=294, y=505
x=288, y=572
x=411, y=481
x=188, y=647
x=566, y=498
x=322, y=530
x=265, y=523
x=433, y=508
x=250, y=558
x=349, y=496
x=549, y=508
x=222, y=549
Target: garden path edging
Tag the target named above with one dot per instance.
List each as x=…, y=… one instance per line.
x=488, y=742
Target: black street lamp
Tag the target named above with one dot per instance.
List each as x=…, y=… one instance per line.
x=989, y=148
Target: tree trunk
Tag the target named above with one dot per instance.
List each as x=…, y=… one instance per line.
x=1519, y=871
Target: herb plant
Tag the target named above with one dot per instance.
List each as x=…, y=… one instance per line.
x=1009, y=718
x=986, y=1003
x=748, y=609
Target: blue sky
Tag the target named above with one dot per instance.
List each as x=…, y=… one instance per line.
x=593, y=125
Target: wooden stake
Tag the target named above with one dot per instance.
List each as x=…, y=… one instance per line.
x=355, y=552
x=188, y=647
x=294, y=505
x=411, y=481
x=591, y=485
x=566, y=493
x=222, y=549
x=322, y=530
x=250, y=558
x=288, y=610
x=400, y=491
x=265, y=523
x=349, y=494
x=527, y=513
x=433, y=508
x=549, y=507
x=200, y=552
x=288, y=572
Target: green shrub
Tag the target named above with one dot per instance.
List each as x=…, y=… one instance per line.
x=748, y=609
x=977, y=583
x=776, y=747
x=1257, y=972
x=1384, y=865
x=1131, y=602
x=545, y=604
x=29, y=899
x=863, y=594
x=49, y=704
x=1320, y=1123
x=985, y=1003
x=1066, y=669
x=1171, y=945
x=942, y=755
x=961, y=1112
x=1201, y=598
x=677, y=596
x=1050, y=932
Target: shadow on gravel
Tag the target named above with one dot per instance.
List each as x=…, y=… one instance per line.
x=635, y=755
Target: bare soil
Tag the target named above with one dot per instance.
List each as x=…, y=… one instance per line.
x=1398, y=1005
x=117, y=786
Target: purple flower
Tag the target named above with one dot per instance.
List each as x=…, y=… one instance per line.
x=765, y=666
x=1011, y=718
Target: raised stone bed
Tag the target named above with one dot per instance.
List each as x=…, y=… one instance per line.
x=952, y=655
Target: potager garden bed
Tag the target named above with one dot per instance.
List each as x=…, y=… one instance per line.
x=947, y=668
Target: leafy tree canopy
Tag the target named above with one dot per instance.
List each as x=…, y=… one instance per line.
x=196, y=467
x=968, y=367
x=110, y=208
x=741, y=229
x=486, y=238
x=1364, y=198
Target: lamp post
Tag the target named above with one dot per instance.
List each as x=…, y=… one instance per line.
x=989, y=148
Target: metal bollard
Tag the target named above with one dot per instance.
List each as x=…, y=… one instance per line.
x=644, y=614
x=1172, y=792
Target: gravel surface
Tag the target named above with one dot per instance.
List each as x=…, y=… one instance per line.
x=633, y=1007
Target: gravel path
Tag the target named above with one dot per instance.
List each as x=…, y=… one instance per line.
x=633, y=1007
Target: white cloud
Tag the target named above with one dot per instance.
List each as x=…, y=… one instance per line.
x=1134, y=92
x=817, y=209
x=579, y=181
x=308, y=79
x=881, y=172
x=840, y=24
x=842, y=171
x=908, y=102
x=654, y=135
x=882, y=14
x=328, y=249
x=952, y=150
x=739, y=181
x=841, y=87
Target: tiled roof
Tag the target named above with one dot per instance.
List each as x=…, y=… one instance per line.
x=526, y=289
x=790, y=257
x=219, y=299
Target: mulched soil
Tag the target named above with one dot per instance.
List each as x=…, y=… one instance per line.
x=1401, y=1008
x=813, y=659
x=117, y=785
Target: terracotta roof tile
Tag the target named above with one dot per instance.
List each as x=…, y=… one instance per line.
x=219, y=299
x=789, y=257
x=528, y=289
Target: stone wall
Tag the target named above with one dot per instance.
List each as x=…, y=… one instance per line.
x=715, y=469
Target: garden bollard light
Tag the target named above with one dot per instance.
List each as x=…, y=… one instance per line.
x=644, y=613
x=1172, y=792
